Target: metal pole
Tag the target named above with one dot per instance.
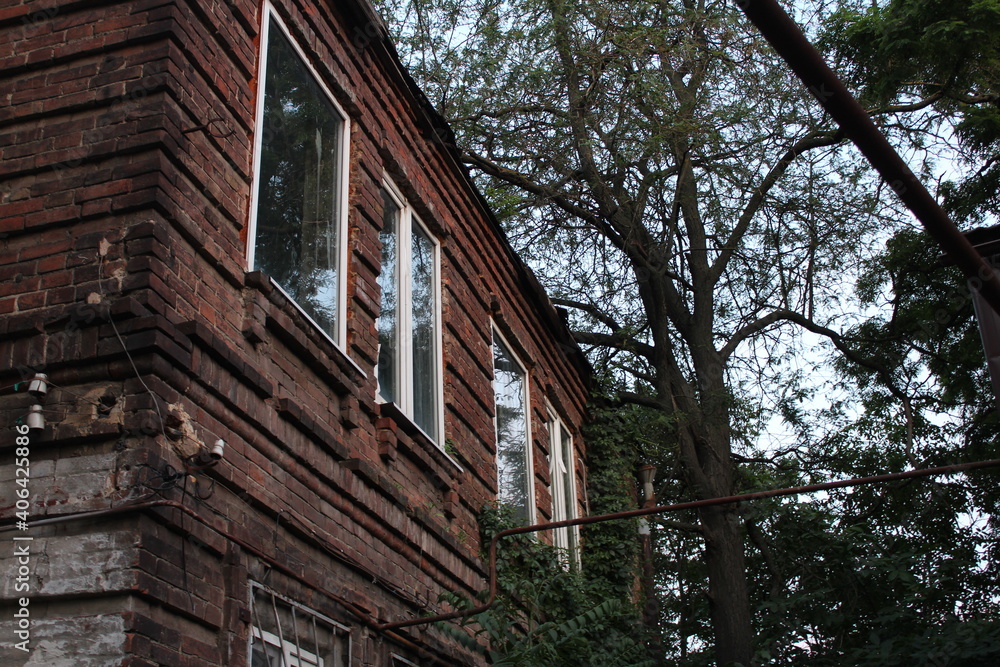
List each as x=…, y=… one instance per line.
x=694, y=504
x=651, y=607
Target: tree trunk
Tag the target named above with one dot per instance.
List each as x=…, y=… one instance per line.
x=727, y=586
x=706, y=454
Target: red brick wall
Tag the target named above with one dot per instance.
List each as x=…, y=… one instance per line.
x=126, y=134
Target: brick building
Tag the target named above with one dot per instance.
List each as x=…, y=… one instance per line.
x=289, y=354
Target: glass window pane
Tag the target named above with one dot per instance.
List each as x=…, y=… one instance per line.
x=297, y=240
x=388, y=319
x=569, y=502
x=563, y=489
x=423, y=318
x=512, y=431
x=568, y=491
x=556, y=467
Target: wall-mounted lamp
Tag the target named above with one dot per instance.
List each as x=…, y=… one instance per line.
x=206, y=458
x=650, y=613
x=217, y=449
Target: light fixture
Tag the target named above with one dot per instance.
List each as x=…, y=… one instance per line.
x=36, y=421
x=205, y=457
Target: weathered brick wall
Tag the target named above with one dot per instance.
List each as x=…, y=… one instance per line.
x=126, y=131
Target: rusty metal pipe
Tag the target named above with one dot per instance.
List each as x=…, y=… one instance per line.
x=388, y=628
x=694, y=504
x=788, y=40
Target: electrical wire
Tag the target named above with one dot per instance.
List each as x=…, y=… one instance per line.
x=170, y=475
x=131, y=361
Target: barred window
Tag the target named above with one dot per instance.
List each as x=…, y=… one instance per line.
x=288, y=634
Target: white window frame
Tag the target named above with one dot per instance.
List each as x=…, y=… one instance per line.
x=563, y=487
x=268, y=14
x=292, y=655
x=403, y=369
x=528, y=447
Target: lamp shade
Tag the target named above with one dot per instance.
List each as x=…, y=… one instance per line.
x=646, y=474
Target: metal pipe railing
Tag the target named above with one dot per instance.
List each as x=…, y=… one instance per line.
x=694, y=504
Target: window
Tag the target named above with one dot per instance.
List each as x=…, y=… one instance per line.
x=298, y=208
x=561, y=464
x=513, y=433
x=287, y=634
x=409, y=358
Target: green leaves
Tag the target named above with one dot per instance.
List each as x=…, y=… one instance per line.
x=921, y=44
x=546, y=615
x=939, y=51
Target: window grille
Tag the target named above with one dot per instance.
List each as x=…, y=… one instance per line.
x=289, y=634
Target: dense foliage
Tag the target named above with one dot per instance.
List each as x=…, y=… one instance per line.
x=548, y=613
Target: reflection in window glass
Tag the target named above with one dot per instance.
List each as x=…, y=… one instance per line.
x=388, y=280
x=297, y=228
x=563, y=487
x=513, y=472
x=423, y=320
x=409, y=372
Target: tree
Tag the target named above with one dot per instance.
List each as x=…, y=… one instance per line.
x=943, y=57
x=680, y=194
x=905, y=573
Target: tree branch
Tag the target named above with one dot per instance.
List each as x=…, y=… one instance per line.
x=777, y=573
x=525, y=182
x=617, y=340
x=680, y=525
x=905, y=108
x=591, y=310
x=834, y=337
x=628, y=397
x=806, y=143
x=499, y=114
